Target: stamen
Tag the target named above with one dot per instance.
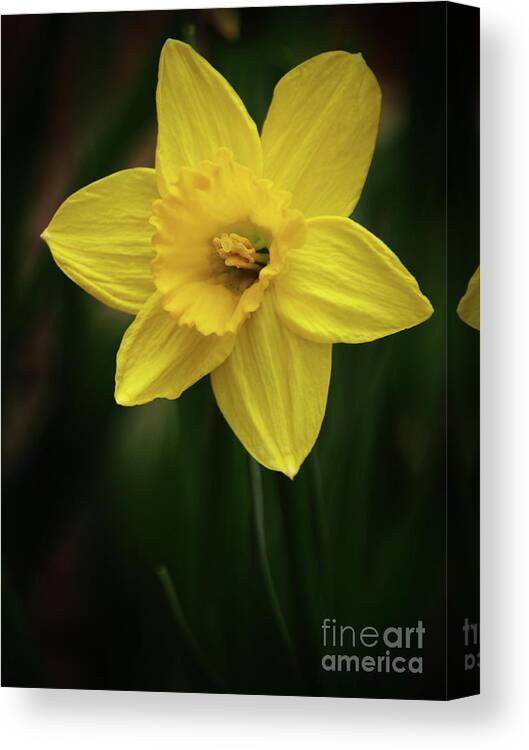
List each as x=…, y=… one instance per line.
x=238, y=252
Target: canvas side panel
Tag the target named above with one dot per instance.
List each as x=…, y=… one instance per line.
x=462, y=326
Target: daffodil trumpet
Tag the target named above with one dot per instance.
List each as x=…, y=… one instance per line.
x=235, y=253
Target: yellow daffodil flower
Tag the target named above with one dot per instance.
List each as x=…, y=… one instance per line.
x=235, y=253
x=468, y=308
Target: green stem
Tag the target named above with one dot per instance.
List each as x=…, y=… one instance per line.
x=181, y=621
x=319, y=521
x=258, y=505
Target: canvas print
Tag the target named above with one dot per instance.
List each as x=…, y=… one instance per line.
x=241, y=351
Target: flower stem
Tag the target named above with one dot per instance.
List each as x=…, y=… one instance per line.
x=258, y=505
x=181, y=621
x=319, y=521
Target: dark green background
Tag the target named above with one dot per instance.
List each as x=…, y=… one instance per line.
x=138, y=549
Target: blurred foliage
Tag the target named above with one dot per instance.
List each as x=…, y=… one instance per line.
x=142, y=549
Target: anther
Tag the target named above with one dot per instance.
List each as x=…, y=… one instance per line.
x=238, y=252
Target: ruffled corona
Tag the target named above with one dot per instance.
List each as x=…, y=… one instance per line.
x=222, y=236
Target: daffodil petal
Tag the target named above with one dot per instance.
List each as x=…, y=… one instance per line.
x=273, y=389
x=160, y=359
x=468, y=308
x=198, y=113
x=320, y=133
x=345, y=285
x=101, y=238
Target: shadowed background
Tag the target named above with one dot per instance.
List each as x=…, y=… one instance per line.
x=141, y=548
